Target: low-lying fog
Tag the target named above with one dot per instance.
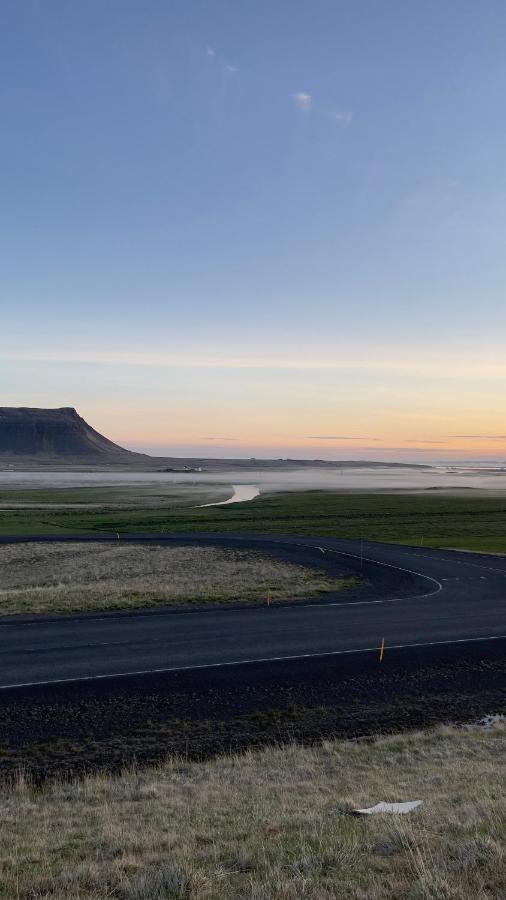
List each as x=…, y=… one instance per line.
x=345, y=479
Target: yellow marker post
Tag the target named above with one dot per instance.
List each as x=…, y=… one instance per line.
x=269, y=598
x=382, y=649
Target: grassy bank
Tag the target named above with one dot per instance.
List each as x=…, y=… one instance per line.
x=270, y=824
x=472, y=522
x=38, y=578
x=162, y=495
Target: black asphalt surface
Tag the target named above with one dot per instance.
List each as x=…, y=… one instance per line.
x=415, y=598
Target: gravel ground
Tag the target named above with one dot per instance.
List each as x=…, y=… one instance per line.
x=107, y=724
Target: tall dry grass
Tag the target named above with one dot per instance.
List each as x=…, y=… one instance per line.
x=270, y=825
x=91, y=576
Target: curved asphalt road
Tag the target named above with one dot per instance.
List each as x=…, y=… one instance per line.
x=419, y=597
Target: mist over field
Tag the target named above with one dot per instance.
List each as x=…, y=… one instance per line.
x=344, y=479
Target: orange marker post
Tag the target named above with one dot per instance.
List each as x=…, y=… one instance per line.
x=382, y=649
x=269, y=598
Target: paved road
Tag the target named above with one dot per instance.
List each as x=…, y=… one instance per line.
x=417, y=597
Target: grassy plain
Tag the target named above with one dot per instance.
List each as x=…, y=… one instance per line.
x=180, y=495
x=274, y=824
x=75, y=577
x=469, y=521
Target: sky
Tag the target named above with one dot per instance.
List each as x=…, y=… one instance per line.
x=257, y=227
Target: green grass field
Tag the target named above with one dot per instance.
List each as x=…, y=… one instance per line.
x=134, y=494
x=468, y=522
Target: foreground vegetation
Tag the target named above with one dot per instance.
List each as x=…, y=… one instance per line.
x=271, y=824
x=467, y=521
x=84, y=577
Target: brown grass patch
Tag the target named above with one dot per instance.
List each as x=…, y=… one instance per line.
x=270, y=824
x=91, y=576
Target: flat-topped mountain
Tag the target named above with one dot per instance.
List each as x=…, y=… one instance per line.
x=61, y=438
x=53, y=432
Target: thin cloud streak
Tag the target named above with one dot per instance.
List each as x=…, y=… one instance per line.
x=452, y=370
x=303, y=100
x=338, y=437
x=341, y=117
x=479, y=437
x=306, y=101
x=212, y=54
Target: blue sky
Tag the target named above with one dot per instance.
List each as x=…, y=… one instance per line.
x=265, y=221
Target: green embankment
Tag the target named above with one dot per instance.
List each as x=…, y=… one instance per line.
x=466, y=522
x=135, y=494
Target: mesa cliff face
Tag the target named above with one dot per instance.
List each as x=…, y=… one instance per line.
x=52, y=432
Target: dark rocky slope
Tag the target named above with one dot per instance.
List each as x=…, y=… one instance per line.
x=53, y=432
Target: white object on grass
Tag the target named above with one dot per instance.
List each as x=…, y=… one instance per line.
x=383, y=807
x=491, y=719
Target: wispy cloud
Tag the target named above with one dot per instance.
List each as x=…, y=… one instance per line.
x=220, y=60
x=219, y=439
x=405, y=449
x=418, y=416
x=340, y=117
x=303, y=100
x=349, y=359
x=338, y=437
x=478, y=437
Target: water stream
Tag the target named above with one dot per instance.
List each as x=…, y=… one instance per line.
x=242, y=492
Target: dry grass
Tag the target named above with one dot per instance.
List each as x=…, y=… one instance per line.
x=270, y=825
x=70, y=577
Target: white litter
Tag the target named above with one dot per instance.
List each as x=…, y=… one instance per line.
x=383, y=807
x=491, y=719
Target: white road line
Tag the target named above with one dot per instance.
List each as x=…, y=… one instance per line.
x=286, y=605
x=398, y=569
x=347, y=603
x=456, y=562
x=376, y=562
x=243, y=662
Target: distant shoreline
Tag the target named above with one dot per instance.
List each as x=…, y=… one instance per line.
x=187, y=465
